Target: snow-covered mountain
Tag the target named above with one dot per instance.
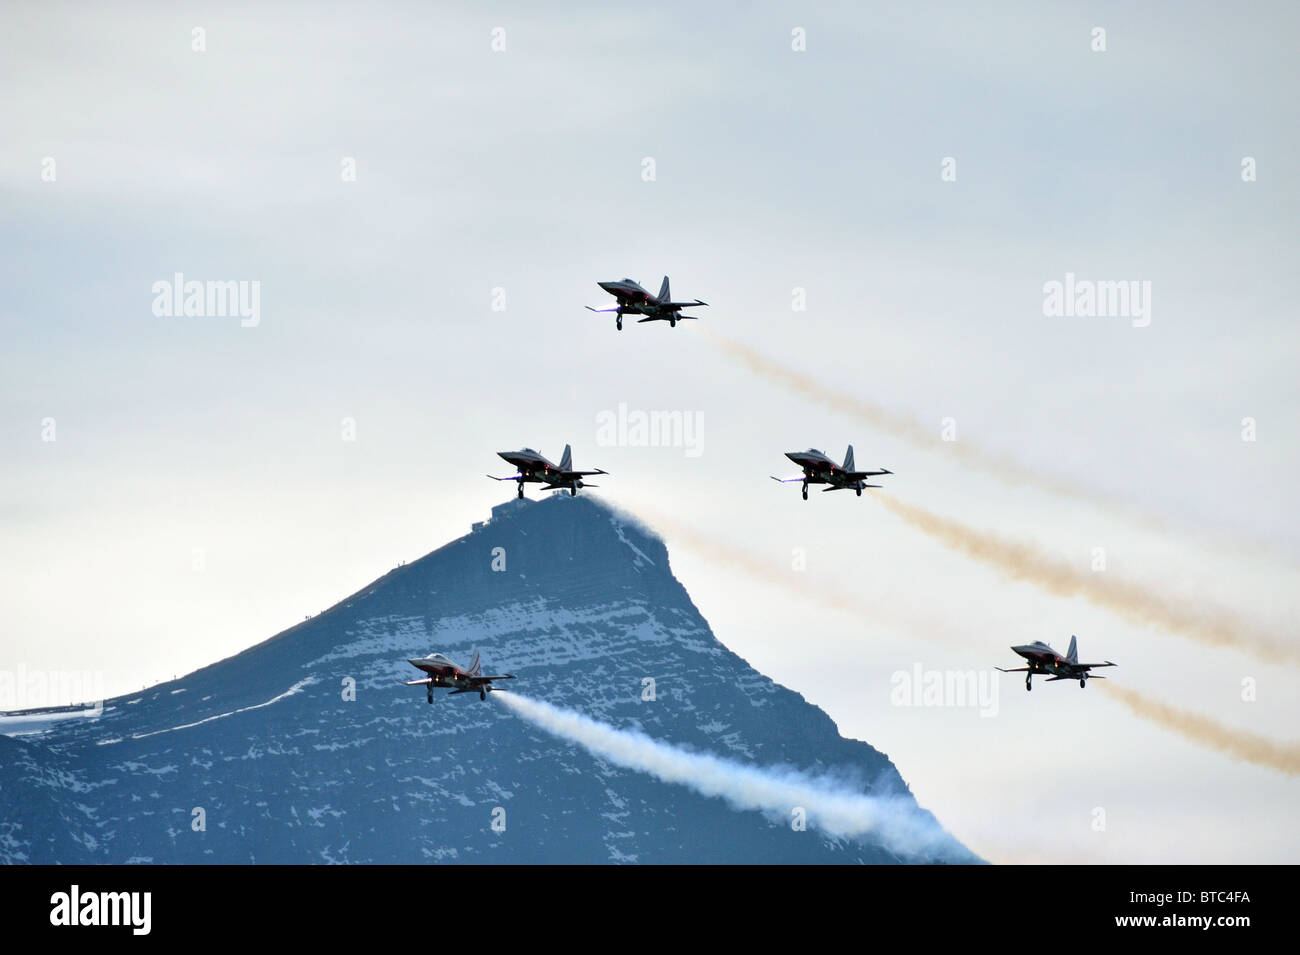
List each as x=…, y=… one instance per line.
x=269, y=754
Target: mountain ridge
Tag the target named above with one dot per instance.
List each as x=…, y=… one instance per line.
x=574, y=597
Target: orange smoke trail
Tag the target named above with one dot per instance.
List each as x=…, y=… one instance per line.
x=903, y=426
x=1211, y=626
x=1239, y=744
x=796, y=583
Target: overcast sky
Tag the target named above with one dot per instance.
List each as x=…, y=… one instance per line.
x=136, y=444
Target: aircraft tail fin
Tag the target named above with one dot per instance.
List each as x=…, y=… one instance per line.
x=664, y=294
x=1072, y=654
x=566, y=462
x=848, y=459
x=475, y=667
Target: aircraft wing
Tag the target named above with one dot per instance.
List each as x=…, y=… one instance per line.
x=489, y=679
x=847, y=487
x=425, y=682
x=565, y=475
x=1089, y=666
x=789, y=480
x=858, y=475
x=590, y=309
x=513, y=477
x=1013, y=669
x=693, y=304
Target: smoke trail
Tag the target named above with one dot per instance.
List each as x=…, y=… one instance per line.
x=909, y=429
x=902, y=426
x=1014, y=558
x=1239, y=744
x=737, y=559
x=894, y=822
x=1211, y=626
x=800, y=585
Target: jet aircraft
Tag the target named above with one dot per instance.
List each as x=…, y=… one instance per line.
x=634, y=300
x=443, y=672
x=1043, y=659
x=819, y=469
x=535, y=468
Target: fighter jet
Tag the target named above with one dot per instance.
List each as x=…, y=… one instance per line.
x=536, y=469
x=634, y=300
x=1043, y=659
x=819, y=469
x=443, y=672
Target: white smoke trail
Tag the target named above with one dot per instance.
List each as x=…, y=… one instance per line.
x=893, y=822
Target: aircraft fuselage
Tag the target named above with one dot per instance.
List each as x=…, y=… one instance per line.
x=633, y=299
x=441, y=671
x=534, y=466
x=1043, y=659
x=817, y=467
